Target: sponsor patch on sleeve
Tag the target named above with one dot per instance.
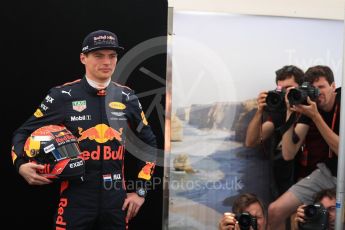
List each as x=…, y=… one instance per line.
x=144, y=118
x=147, y=171
x=38, y=113
x=49, y=99
x=14, y=155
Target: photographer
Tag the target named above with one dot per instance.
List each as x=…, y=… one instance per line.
x=260, y=129
x=245, y=204
x=316, y=131
x=325, y=197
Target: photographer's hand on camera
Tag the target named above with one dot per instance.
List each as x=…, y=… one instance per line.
x=228, y=222
x=261, y=101
x=299, y=218
x=258, y=131
x=289, y=109
x=309, y=110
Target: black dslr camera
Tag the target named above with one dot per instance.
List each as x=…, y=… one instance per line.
x=275, y=101
x=245, y=221
x=316, y=218
x=299, y=95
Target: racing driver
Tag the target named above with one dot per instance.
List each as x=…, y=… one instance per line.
x=101, y=113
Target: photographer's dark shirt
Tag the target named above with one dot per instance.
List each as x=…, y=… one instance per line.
x=282, y=171
x=316, y=148
x=278, y=119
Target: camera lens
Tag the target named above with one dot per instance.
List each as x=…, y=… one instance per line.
x=310, y=211
x=244, y=221
x=296, y=97
x=273, y=99
x=299, y=95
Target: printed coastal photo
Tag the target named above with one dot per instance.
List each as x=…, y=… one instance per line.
x=220, y=63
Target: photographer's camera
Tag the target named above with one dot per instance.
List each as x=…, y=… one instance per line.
x=299, y=95
x=316, y=218
x=275, y=100
x=245, y=221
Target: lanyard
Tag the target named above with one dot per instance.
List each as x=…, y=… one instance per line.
x=330, y=153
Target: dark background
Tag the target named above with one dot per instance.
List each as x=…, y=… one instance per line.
x=41, y=42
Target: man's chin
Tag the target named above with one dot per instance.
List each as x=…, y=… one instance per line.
x=320, y=104
x=331, y=226
x=105, y=76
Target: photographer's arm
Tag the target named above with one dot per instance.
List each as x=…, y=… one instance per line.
x=254, y=132
x=327, y=133
x=253, y=136
x=289, y=148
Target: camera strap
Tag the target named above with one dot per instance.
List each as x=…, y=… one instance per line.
x=282, y=129
x=330, y=152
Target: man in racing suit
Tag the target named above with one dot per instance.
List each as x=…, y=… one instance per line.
x=101, y=114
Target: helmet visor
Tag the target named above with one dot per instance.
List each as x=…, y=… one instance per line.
x=70, y=150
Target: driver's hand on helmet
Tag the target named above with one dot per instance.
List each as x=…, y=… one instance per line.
x=29, y=172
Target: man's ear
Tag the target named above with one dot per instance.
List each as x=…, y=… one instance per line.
x=333, y=86
x=82, y=58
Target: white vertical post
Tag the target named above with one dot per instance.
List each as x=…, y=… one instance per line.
x=166, y=178
x=341, y=154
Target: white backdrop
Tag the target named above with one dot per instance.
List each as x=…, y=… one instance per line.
x=242, y=52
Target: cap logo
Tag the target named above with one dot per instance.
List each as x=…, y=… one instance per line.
x=100, y=39
x=103, y=37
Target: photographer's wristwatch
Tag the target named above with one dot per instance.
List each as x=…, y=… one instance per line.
x=141, y=192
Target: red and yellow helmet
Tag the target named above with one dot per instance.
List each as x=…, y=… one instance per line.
x=57, y=149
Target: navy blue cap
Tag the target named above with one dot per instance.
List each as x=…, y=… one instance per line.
x=99, y=40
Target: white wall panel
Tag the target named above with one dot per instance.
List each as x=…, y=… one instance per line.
x=332, y=9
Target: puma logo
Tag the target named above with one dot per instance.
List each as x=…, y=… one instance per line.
x=127, y=94
x=67, y=92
